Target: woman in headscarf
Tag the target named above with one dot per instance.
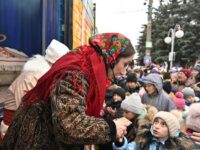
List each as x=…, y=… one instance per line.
x=63, y=110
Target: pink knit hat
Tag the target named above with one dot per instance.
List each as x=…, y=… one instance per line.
x=179, y=101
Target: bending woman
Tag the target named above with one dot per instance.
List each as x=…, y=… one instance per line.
x=63, y=110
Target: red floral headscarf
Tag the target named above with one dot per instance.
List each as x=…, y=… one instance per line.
x=88, y=60
x=111, y=45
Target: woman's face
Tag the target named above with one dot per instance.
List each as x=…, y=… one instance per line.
x=121, y=66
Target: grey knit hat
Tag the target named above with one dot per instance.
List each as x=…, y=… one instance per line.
x=188, y=91
x=171, y=121
x=133, y=104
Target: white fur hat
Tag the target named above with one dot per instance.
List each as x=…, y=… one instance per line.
x=55, y=50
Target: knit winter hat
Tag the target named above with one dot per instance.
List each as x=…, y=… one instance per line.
x=120, y=91
x=171, y=121
x=55, y=50
x=131, y=77
x=193, y=118
x=187, y=72
x=133, y=104
x=188, y=91
x=179, y=101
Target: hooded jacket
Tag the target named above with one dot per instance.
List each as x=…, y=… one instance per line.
x=161, y=100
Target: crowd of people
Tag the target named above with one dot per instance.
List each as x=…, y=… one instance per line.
x=94, y=98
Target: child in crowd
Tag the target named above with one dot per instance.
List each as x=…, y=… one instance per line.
x=189, y=96
x=155, y=95
x=139, y=73
x=132, y=84
x=167, y=87
x=179, y=101
x=164, y=133
x=112, y=108
x=132, y=108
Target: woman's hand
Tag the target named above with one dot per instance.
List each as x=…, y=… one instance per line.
x=121, y=126
x=196, y=136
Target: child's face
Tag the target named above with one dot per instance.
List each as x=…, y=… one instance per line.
x=117, y=98
x=129, y=115
x=150, y=88
x=131, y=85
x=160, y=129
x=191, y=99
x=137, y=75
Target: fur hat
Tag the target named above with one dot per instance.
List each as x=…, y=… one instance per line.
x=150, y=113
x=187, y=72
x=188, y=91
x=147, y=115
x=179, y=101
x=171, y=121
x=55, y=50
x=119, y=91
x=131, y=77
x=193, y=118
x=133, y=104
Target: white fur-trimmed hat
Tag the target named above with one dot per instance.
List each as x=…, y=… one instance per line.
x=55, y=50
